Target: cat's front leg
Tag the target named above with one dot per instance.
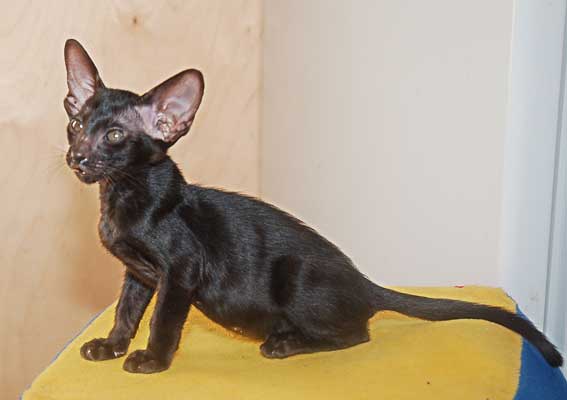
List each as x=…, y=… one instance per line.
x=133, y=301
x=172, y=306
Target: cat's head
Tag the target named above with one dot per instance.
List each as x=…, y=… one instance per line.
x=111, y=131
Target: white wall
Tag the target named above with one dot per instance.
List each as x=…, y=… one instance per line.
x=384, y=126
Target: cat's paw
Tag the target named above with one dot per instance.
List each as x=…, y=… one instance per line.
x=103, y=349
x=282, y=347
x=144, y=362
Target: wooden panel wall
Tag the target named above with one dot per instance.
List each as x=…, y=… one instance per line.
x=55, y=274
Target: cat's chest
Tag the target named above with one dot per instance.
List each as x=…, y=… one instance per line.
x=108, y=231
x=119, y=215
x=132, y=251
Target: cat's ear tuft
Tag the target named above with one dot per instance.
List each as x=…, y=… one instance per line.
x=168, y=110
x=82, y=77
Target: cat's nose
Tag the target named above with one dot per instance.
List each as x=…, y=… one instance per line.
x=78, y=160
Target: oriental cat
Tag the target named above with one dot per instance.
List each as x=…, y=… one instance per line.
x=244, y=263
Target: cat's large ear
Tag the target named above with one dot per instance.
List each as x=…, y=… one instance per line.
x=168, y=110
x=82, y=77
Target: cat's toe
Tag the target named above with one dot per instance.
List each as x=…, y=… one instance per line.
x=144, y=362
x=102, y=349
x=274, y=349
x=282, y=346
x=267, y=351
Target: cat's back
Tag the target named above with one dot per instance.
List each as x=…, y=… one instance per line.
x=254, y=221
x=242, y=210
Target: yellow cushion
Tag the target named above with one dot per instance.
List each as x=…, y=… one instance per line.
x=405, y=359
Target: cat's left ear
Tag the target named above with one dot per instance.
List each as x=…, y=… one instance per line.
x=168, y=110
x=82, y=77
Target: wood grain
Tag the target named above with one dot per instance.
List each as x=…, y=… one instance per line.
x=55, y=274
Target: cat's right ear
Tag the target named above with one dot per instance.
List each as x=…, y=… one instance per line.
x=82, y=77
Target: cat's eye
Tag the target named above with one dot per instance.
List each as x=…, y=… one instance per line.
x=76, y=125
x=114, y=136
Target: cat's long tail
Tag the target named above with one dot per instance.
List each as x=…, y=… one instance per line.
x=445, y=309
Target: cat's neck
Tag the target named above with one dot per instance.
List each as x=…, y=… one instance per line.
x=140, y=186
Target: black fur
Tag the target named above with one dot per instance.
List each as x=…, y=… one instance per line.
x=245, y=264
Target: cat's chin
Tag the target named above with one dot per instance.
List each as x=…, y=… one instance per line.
x=88, y=179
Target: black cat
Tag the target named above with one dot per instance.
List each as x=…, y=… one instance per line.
x=245, y=264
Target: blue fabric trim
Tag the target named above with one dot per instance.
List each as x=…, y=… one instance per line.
x=67, y=345
x=538, y=381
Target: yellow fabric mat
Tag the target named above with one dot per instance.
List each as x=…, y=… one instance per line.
x=405, y=359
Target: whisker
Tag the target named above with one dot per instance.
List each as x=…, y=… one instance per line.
x=54, y=168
